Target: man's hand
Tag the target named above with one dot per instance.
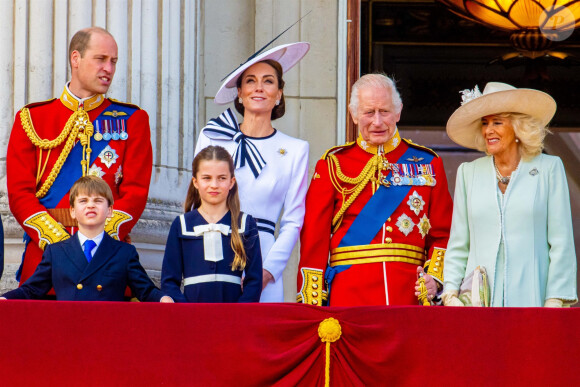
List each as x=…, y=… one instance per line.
x=166, y=300
x=2, y=298
x=430, y=284
x=267, y=277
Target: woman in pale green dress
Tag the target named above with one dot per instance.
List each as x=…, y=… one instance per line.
x=511, y=213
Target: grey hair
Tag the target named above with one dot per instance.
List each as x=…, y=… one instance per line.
x=375, y=80
x=527, y=129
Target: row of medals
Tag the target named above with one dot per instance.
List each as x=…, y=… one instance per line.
x=98, y=136
x=397, y=179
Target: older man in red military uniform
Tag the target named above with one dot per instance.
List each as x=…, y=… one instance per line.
x=378, y=207
x=55, y=142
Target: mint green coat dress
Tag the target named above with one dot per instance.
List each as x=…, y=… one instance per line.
x=532, y=226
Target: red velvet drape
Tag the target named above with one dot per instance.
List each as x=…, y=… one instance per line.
x=137, y=344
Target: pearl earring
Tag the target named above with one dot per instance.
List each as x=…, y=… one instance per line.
x=277, y=102
x=240, y=99
x=517, y=140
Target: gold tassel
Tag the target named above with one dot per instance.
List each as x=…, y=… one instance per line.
x=329, y=331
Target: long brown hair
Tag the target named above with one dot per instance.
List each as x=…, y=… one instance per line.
x=278, y=110
x=193, y=200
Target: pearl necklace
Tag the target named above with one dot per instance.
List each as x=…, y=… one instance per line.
x=502, y=179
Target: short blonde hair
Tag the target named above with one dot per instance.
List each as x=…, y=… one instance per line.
x=91, y=185
x=527, y=129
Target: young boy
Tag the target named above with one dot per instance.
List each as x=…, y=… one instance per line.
x=90, y=265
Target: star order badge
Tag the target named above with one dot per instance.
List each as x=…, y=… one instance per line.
x=96, y=171
x=424, y=226
x=405, y=224
x=119, y=175
x=416, y=203
x=108, y=156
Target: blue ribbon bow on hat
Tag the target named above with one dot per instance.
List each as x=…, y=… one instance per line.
x=226, y=127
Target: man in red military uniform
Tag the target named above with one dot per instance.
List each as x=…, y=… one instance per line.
x=378, y=207
x=55, y=142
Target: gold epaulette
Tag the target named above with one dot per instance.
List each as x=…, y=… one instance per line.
x=337, y=148
x=434, y=266
x=40, y=103
x=48, y=229
x=311, y=292
x=124, y=103
x=113, y=223
x=411, y=143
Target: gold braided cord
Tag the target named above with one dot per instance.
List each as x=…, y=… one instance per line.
x=79, y=121
x=360, y=182
x=44, y=143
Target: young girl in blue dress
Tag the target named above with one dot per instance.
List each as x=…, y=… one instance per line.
x=213, y=247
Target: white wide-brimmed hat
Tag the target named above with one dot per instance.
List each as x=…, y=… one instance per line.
x=464, y=125
x=287, y=55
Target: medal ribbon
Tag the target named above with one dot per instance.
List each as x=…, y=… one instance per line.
x=379, y=208
x=70, y=171
x=226, y=127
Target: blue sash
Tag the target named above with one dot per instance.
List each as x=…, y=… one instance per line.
x=71, y=170
x=380, y=207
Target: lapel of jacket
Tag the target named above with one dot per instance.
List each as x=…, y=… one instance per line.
x=74, y=252
x=104, y=253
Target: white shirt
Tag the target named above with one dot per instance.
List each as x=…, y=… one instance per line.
x=98, y=239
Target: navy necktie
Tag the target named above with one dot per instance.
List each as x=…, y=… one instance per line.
x=88, y=246
x=226, y=127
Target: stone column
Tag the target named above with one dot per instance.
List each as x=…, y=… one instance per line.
x=156, y=70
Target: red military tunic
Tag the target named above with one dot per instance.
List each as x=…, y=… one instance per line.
x=124, y=164
x=414, y=232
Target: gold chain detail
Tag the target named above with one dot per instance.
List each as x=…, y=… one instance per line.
x=35, y=138
x=374, y=165
x=78, y=121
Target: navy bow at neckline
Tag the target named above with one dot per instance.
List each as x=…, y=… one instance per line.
x=226, y=127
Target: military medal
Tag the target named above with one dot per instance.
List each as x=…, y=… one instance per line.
x=124, y=135
x=108, y=156
x=106, y=132
x=416, y=203
x=405, y=224
x=119, y=175
x=424, y=226
x=96, y=171
x=115, y=134
x=396, y=179
x=98, y=136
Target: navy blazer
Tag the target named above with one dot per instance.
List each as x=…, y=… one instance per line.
x=64, y=266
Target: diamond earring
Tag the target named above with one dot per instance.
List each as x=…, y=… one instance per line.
x=240, y=99
x=277, y=102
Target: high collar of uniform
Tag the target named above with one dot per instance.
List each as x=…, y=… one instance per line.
x=74, y=103
x=387, y=147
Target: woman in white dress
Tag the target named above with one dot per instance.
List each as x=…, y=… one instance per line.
x=271, y=167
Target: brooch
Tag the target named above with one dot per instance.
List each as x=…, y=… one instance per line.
x=282, y=151
x=534, y=172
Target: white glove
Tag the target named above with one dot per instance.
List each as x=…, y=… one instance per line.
x=450, y=298
x=553, y=303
